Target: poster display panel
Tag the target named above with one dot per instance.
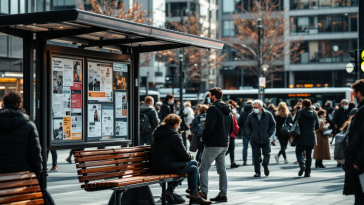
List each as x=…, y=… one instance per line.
x=67, y=98
x=100, y=85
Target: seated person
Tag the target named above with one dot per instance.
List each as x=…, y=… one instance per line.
x=169, y=156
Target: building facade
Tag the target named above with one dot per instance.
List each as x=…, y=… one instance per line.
x=327, y=30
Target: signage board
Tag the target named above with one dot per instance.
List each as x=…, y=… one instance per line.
x=262, y=81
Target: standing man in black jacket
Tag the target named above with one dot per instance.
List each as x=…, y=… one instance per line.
x=19, y=142
x=354, y=152
x=166, y=107
x=148, y=109
x=218, y=127
x=260, y=127
x=248, y=108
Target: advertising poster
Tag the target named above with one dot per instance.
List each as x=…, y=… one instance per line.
x=58, y=129
x=76, y=130
x=77, y=71
x=107, y=121
x=120, y=74
x=76, y=99
x=67, y=128
x=94, y=120
x=121, y=128
x=57, y=105
x=121, y=105
x=66, y=103
x=57, y=82
x=100, y=86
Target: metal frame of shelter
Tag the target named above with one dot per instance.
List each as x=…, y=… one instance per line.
x=85, y=29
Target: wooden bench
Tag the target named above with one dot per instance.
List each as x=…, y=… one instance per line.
x=20, y=188
x=124, y=170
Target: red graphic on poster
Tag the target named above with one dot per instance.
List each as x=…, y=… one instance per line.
x=76, y=99
x=76, y=86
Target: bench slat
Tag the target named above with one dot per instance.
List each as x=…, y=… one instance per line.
x=111, y=156
x=14, y=184
x=106, y=151
x=22, y=197
x=14, y=173
x=108, y=162
x=112, y=168
x=20, y=190
x=142, y=170
x=27, y=202
x=17, y=177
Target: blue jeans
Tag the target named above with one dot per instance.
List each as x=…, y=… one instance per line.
x=54, y=157
x=193, y=177
x=246, y=141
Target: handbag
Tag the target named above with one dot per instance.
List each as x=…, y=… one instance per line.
x=194, y=143
x=327, y=132
x=295, y=129
x=340, y=145
x=286, y=127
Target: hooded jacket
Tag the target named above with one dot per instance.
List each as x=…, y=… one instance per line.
x=339, y=118
x=243, y=117
x=165, y=110
x=260, y=131
x=152, y=116
x=218, y=125
x=168, y=154
x=19, y=142
x=308, y=123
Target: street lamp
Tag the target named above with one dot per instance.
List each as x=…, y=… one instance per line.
x=180, y=56
x=260, y=27
x=265, y=67
x=336, y=49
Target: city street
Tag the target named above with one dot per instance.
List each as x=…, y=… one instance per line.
x=283, y=186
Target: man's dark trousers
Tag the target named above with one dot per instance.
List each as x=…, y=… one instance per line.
x=256, y=154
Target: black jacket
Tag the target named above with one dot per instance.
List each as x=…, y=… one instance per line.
x=260, y=131
x=152, y=117
x=165, y=110
x=329, y=111
x=167, y=154
x=340, y=116
x=354, y=153
x=308, y=123
x=279, y=123
x=194, y=126
x=243, y=117
x=219, y=125
x=19, y=143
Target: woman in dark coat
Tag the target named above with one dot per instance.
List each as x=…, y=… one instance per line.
x=322, y=149
x=169, y=156
x=282, y=115
x=308, y=123
x=196, y=124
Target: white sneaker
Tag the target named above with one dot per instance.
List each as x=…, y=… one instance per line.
x=277, y=158
x=286, y=161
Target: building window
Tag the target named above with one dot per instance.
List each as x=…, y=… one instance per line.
x=318, y=4
x=178, y=9
x=323, y=24
x=228, y=28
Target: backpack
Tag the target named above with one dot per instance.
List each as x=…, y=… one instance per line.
x=144, y=123
x=341, y=140
x=200, y=127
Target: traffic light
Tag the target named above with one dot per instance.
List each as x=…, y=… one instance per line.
x=352, y=67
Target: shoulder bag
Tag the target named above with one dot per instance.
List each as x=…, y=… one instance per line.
x=340, y=145
x=286, y=127
x=295, y=129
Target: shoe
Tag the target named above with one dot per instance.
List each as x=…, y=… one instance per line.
x=197, y=199
x=296, y=162
x=54, y=169
x=244, y=163
x=320, y=165
x=266, y=170
x=277, y=158
x=257, y=174
x=219, y=198
x=178, y=199
x=188, y=190
x=202, y=195
x=169, y=195
x=68, y=159
x=338, y=165
x=316, y=164
x=274, y=144
x=286, y=161
x=302, y=169
x=307, y=174
x=234, y=165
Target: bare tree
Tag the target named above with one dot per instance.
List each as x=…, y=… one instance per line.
x=274, y=46
x=195, y=60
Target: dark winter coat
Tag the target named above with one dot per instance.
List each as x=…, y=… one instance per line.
x=218, y=125
x=322, y=149
x=165, y=110
x=329, y=111
x=152, y=117
x=168, y=154
x=340, y=116
x=243, y=117
x=354, y=153
x=260, y=131
x=19, y=142
x=279, y=123
x=198, y=118
x=353, y=112
x=308, y=123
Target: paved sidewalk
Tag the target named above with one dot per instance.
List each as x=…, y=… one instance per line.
x=283, y=186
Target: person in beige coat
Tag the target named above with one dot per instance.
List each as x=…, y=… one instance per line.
x=322, y=149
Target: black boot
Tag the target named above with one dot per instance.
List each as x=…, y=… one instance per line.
x=320, y=165
x=316, y=164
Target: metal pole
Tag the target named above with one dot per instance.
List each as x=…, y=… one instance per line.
x=172, y=72
x=259, y=55
x=181, y=81
x=147, y=85
x=135, y=109
x=360, y=42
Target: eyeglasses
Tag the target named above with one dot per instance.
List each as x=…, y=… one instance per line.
x=256, y=107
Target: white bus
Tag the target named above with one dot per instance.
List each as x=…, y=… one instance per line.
x=152, y=93
x=288, y=95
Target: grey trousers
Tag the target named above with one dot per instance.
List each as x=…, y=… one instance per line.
x=209, y=155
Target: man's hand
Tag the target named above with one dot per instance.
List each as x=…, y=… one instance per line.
x=188, y=126
x=336, y=126
x=356, y=167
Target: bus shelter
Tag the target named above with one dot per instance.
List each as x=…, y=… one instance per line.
x=77, y=95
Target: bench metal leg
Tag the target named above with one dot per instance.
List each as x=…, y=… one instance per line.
x=164, y=193
x=112, y=199
x=117, y=197
x=138, y=196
